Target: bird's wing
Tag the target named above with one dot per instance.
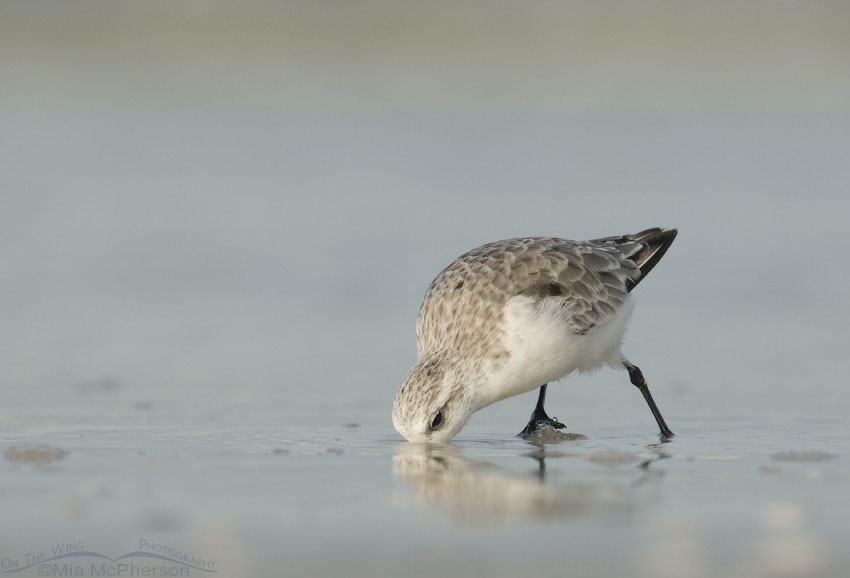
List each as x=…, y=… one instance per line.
x=589, y=280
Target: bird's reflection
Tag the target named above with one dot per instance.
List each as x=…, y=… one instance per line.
x=475, y=489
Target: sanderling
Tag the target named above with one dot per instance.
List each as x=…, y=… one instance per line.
x=512, y=316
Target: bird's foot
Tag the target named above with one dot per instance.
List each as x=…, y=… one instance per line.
x=536, y=424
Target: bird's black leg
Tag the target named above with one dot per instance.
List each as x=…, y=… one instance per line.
x=539, y=419
x=638, y=381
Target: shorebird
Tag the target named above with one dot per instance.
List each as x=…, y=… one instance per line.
x=515, y=315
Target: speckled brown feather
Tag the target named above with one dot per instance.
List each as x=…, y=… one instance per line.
x=591, y=279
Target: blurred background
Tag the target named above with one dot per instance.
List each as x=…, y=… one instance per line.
x=207, y=201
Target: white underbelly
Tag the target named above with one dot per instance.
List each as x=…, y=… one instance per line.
x=543, y=349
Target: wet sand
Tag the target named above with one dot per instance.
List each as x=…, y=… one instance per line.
x=738, y=497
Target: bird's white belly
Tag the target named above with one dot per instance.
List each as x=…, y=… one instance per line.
x=544, y=349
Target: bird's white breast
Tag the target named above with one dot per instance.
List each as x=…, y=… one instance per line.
x=543, y=348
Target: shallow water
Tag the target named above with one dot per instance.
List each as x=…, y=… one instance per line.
x=738, y=496
x=214, y=244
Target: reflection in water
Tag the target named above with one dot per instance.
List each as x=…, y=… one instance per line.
x=471, y=490
x=657, y=453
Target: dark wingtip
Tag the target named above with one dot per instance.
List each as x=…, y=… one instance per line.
x=655, y=244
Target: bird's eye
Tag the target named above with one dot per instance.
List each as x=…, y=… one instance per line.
x=437, y=420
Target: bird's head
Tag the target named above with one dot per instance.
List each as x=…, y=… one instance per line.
x=434, y=401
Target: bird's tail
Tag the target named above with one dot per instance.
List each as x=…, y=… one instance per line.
x=653, y=243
